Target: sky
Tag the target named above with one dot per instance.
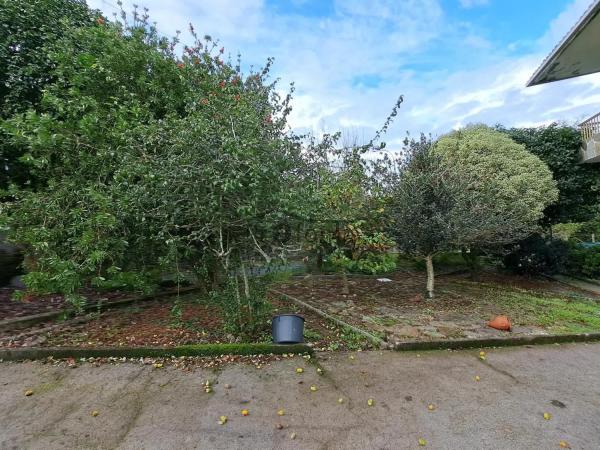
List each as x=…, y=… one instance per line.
x=455, y=61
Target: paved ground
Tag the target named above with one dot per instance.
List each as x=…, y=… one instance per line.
x=141, y=407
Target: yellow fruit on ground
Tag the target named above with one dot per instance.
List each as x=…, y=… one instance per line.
x=299, y=370
x=477, y=378
x=564, y=444
x=281, y=412
x=422, y=442
x=319, y=371
x=313, y=388
x=157, y=365
x=340, y=400
x=245, y=412
x=370, y=402
x=29, y=393
x=482, y=353
x=431, y=407
x=95, y=413
x=547, y=416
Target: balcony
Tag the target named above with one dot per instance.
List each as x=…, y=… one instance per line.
x=590, y=135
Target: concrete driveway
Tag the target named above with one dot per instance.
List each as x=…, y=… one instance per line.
x=141, y=407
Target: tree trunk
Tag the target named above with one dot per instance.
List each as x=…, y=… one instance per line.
x=430, y=276
x=245, y=277
x=345, y=284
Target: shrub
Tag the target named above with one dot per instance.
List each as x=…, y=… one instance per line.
x=584, y=261
x=245, y=316
x=537, y=255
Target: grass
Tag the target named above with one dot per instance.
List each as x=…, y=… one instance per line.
x=565, y=314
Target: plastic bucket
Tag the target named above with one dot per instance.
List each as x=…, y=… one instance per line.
x=288, y=329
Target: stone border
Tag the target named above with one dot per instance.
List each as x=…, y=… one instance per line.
x=25, y=321
x=19, y=354
x=457, y=344
x=380, y=343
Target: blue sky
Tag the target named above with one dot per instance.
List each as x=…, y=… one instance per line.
x=455, y=61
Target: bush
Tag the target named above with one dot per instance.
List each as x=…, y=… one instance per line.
x=247, y=318
x=536, y=255
x=585, y=261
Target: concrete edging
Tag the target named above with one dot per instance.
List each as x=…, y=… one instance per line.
x=24, y=321
x=372, y=338
x=19, y=354
x=457, y=344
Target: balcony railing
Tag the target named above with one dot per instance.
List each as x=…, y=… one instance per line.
x=590, y=134
x=590, y=127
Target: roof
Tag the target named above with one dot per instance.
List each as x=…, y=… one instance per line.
x=578, y=53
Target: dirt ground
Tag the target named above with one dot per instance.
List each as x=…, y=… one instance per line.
x=397, y=310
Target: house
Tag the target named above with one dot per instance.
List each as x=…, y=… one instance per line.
x=577, y=54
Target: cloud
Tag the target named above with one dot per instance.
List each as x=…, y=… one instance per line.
x=350, y=64
x=473, y=3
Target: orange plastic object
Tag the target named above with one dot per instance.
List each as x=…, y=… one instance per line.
x=500, y=323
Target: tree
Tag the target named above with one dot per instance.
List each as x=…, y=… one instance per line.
x=28, y=31
x=509, y=187
x=578, y=184
x=152, y=160
x=424, y=199
x=473, y=188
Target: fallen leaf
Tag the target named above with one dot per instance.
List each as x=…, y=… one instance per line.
x=319, y=371
x=351, y=356
x=564, y=444
x=208, y=389
x=222, y=420
x=340, y=400
x=157, y=365
x=279, y=426
x=293, y=436
x=29, y=393
x=422, y=442
x=245, y=412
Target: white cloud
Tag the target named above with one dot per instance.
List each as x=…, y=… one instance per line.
x=350, y=66
x=473, y=3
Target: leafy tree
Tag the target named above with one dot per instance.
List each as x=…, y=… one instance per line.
x=510, y=187
x=473, y=188
x=425, y=198
x=153, y=159
x=28, y=31
x=559, y=147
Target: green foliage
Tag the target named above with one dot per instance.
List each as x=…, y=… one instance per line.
x=538, y=255
x=29, y=30
x=151, y=159
x=424, y=197
x=559, y=147
x=585, y=261
x=508, y=187
x=245, y=315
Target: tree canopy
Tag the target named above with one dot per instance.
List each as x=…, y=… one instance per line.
x=559, y=147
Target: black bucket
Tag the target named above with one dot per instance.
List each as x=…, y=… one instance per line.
x=288, y=329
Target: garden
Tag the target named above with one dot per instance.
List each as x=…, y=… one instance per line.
x=153, y=194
